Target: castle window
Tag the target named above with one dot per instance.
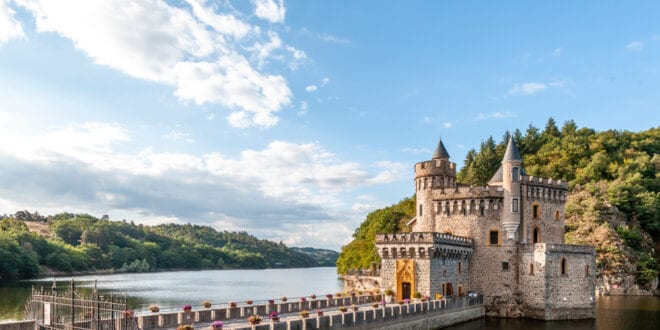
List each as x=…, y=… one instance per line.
x=535, y=211
x=444, y=274
x=460, y=268
x=531, y=269
x=494, y=237
x=557, y=215
x=564, y=267
x=403, y=252
x=394, y=253
x=514, y=174
x=514, y=205
x=537, y=236
x=505, y=266
x=464, y=212
x=586, y=271
x=412, y=252
x=422, y=252
x=385, y=253
x=421, y=210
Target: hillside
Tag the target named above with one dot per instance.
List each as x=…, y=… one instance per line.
x=31, y=245
x=613, y=204
x=323, y=257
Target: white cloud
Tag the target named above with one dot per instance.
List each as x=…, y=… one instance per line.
x=447, y=125
x=85, y=168
x=325, y=81
x=428, y=120
x=528, y=88
x=495, y=115
x=270, y=10
x=311, y=88
x=10, y=28
x=557, y=52
x=417, y=151
x=635, y=46
x=262, y=51
x=303, y=109
x=297, y=54
x=196, y=50
x=531, y=88
x=177, y=135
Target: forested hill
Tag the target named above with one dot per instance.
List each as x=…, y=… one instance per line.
x=32, y=245
x=614, y=200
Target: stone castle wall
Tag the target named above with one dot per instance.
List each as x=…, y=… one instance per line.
x=552, y=293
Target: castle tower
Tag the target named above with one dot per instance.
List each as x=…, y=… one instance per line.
x=511, y=171
x=436, y=174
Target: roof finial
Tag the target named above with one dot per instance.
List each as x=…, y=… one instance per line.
x=440, y=151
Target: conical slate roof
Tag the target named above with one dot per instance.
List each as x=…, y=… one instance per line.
x=511, y=154
x=440, y=151
x=511, y=151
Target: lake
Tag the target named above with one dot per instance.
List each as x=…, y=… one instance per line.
x=174, y=289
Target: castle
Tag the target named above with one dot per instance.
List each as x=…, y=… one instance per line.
x=504, y=240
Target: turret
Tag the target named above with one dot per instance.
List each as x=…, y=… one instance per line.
x=437, y=173
x=508, y=176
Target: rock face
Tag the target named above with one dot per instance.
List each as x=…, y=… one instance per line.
x=505, y=306
x=621, y=244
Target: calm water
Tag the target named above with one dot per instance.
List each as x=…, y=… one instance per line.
x=173, y=289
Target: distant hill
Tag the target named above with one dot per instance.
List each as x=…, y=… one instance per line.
x=613, y=203
x=33, y=245
x=325, y=258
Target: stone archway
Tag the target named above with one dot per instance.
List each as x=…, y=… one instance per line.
x=405, y=278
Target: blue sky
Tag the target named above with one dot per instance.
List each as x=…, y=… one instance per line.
x=293, y=120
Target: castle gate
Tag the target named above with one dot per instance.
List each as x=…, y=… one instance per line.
x=405, y=278
x=69, y=310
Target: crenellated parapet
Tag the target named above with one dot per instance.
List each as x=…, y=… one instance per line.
x=545, y=189
x=423, y=245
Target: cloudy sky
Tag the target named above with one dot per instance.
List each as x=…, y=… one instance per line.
x=292, y=120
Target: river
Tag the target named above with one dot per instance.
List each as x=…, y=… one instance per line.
x=174, y=289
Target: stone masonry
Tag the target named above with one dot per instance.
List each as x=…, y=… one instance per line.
x=506, y=238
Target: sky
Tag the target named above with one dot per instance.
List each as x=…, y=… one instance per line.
x=292, y=120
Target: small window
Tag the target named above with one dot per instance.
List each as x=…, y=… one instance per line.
x=586, y=271
x=460, y=268
x=421, y=210
x=564, y=266
x=557, y=215
x=494, y=237
x=514, y=205
x=535, y=211
x=481, y=209
x=505, y=266
x=537, y=235
x=444, y=274
x=531, y=269
x=514, y=174
x=385, y=253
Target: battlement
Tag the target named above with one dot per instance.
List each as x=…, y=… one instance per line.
x=560, y=248
x=435, y=167
x=424, y=237
x=538, y=181
x=468, y=192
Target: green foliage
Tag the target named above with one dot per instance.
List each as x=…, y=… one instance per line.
x=82, y=242
x=633, y=237
x=361, y=252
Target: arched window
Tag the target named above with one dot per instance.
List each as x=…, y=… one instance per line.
x=412, y=252
x=557, y=215
x=531, y=269
x=537, y=235
x=444, y=273
x=564, y=266
x=460, y=268
x=385, y=253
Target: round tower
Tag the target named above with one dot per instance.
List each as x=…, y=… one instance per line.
x=435, y=174
x=511, y=173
